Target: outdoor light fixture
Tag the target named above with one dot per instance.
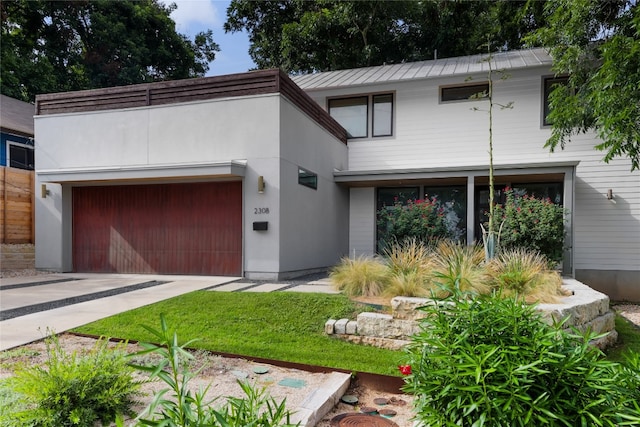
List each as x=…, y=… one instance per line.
x=44, y=191
x=260, y=184
x=610, y=194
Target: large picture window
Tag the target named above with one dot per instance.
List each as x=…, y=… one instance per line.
x=365, y=115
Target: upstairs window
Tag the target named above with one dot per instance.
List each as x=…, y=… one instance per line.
x=548, y=84
x=20, y=156
x=365, y=115
x=467, y=92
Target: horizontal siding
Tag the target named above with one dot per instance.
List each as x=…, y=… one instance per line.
x=429, y=134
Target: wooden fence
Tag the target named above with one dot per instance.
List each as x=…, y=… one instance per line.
x=17, y=203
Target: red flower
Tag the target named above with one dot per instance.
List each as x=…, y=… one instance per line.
x=405, y=369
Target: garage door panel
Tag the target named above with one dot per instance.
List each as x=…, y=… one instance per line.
x=163, y=228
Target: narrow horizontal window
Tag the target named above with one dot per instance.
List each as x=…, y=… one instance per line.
x=549, y=84
x=464, y=92
x=307, y=178
x=352, y=114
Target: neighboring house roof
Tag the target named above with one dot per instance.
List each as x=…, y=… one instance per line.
x=16, y=116
x=462, y=65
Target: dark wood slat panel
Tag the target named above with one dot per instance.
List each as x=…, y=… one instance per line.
x=176, y=91
x=164, y=228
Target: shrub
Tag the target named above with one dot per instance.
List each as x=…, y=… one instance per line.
x=533, y=224
x=458, y=266
x=424, y=220
x=361, y=276
x=491, y=361
x=408, y=284
x=76, y=389
x=525, y=274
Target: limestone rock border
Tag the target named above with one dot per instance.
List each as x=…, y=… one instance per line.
x=585, y=308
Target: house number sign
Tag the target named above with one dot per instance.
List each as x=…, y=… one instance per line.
x=260, y=211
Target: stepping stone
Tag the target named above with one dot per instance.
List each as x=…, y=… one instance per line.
x=260, y=370
x=268, y=287
x=240, y=374
x=292, y=382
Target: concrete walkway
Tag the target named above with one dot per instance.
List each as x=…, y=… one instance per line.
x=31, y=306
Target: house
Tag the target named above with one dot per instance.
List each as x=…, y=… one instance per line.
x=16, y=133
x=260, y=175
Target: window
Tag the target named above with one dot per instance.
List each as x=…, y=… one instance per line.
x=20, y=156
x=468, y=92
x=353, y=114
x=548, y=84
x=307, y=178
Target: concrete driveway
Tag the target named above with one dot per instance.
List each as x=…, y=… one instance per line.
x=31, y=306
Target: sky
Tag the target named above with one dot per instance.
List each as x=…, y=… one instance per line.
x=193, y=16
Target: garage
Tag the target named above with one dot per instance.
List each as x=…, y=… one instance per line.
x=178, y=228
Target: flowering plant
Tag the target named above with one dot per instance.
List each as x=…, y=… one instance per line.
x=425, y=220
x=533, y=224
x=405, y=369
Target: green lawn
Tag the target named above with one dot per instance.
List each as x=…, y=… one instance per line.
x=280, y=325
x=628, y=339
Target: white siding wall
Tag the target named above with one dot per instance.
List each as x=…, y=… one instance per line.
x=429, y=134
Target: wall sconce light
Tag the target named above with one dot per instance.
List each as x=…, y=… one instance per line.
x=261, y=184
x=44, y=192
x=610, y=194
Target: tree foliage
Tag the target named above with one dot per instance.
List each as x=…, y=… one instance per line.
x=52, y=46
x=305, y=36
x=597, y=43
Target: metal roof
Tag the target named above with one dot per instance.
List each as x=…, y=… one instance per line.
x=444, y=67
x=16, y=116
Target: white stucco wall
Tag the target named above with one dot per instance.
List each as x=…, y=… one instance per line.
x=314, y=223
x=189, y=141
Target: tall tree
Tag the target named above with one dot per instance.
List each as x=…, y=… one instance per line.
x=597, y=44
x=306, y=36
x=51, y=46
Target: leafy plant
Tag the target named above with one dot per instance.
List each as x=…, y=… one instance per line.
x=360, y=276
x=424, y=220
x=487, y=360
x=183, y=408
x=534, y=224
x=75, y=389
x=525, y=274
x=256, y=409
x=186, y=409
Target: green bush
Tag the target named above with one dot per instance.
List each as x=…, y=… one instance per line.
x=75, y=389
x=532, y=224
x=490, y=361
x=424, y=220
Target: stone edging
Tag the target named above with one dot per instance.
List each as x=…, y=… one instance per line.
x=585, y=308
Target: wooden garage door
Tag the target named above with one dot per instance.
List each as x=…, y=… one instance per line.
x=163, y=228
